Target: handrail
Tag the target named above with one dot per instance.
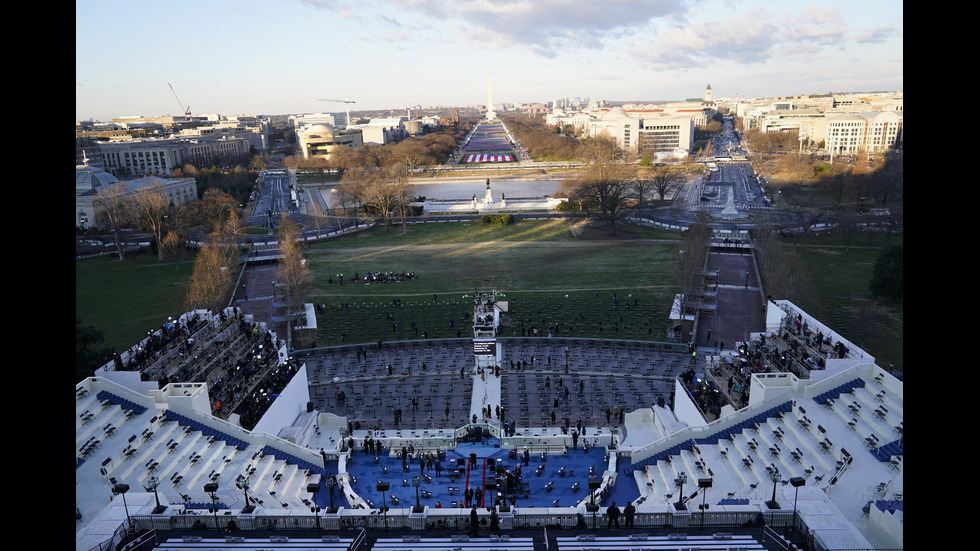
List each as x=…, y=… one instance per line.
x=358, y=540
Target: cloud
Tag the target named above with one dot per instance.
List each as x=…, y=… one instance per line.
x=751, y=37
x=545, y=27
x=876, y=35
x=337, y=6
x=746, y=38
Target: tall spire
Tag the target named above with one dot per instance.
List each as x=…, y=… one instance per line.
x=491, y=115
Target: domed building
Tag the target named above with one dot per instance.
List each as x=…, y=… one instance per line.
x=88, y=178
x=319, y=140
x=91, y=181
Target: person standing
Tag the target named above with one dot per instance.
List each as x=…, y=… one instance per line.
x=474, y=522
x=612, y=513
x=629, y=513
x=494, y=522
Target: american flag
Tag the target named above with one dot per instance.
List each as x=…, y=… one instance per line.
x=488, y=158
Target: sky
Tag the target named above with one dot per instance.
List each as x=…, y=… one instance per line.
x=274, y=57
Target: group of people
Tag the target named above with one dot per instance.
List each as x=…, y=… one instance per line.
x=475, y=522
x=376, y=277
x=613, y=513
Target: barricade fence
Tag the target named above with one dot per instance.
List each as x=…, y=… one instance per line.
x=454, y=519
x=780, y=527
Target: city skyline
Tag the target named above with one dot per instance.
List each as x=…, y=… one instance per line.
x=250, y=57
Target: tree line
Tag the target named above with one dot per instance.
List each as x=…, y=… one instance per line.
x=610, y=186
x=413, y=152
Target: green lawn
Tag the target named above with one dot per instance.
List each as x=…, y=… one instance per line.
x=842, y=275
x=534, y=264
x=127, y=299
x=456, y=258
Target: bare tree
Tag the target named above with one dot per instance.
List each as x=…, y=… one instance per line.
x=886, y=184
x=212, y=210
x=664, y=180
x=343, y=159
x=150, y=210
x=837, y=183
x=403, y=192
x=350, y=194
x=412, y=153
x=215, y=261
x=807, y=212
x=292, y=274
x=317, y=216
x=377, y=156
x=230, y=235
x=173, y=246
x=692, y=261
x=387, y=194
x=113, y=211
x=605, y=187
x=848, y=225
x=259, y=162
x=210, y=277
x=785, y=274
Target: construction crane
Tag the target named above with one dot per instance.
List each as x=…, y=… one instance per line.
x=348, y=101
x=186, y=110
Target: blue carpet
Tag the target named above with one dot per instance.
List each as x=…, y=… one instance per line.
x=537, y=494
x=625, y=489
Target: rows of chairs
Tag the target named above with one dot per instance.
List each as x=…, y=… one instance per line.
x=860, y=414
x=209, y=432
x=125, y=404
x=834, y=393
x=787, y=457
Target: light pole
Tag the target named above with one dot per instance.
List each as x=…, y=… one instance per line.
x=680, y=480
x=242, y=484
x=416, y=481
x=776, y=477
x=594, y=484
x=383, y=487
x=313, y=488
x=704, y=484
x=152, y=485
x=122, y=489
x=211, y=488
x=796, y=481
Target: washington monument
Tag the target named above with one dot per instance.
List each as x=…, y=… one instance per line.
x=490, y=113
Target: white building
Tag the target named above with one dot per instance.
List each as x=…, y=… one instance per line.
x=161, y=157
x=856, y=133
x=319, y=140
x=89, y=182
x=310, y=119
x=383, y=131
x=654, y=131
x=847, y=124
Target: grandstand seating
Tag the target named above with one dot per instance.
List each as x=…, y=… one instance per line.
x=240, y=543
x=204, y=429
x=673, y=542
x=454, y=543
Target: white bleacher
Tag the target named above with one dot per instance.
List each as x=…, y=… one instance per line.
x=795, y=446
x=641, y=542
x=878, y=410
x=241, y=543
x=454, y=543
